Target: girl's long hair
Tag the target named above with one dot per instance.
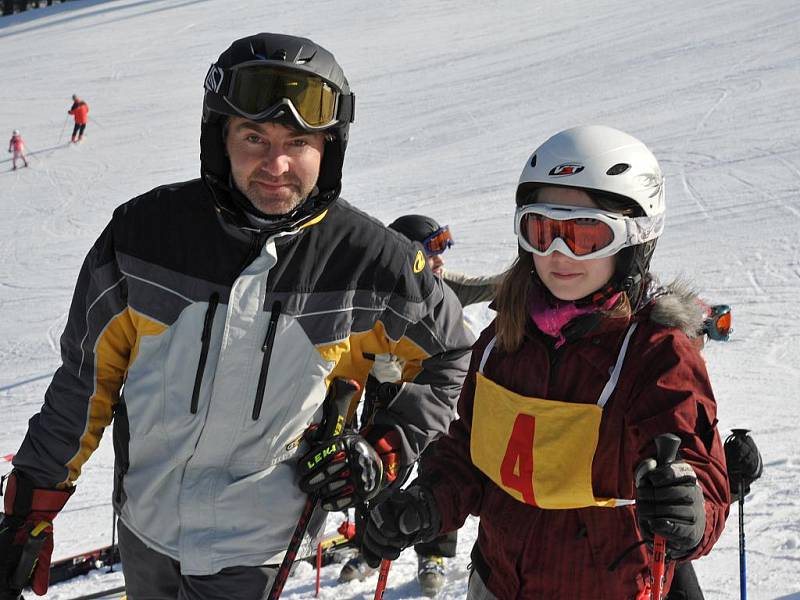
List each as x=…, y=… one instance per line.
x=512, y=303
x=512, y=293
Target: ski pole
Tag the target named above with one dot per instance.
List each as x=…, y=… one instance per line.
x=739, y=435
x=383, y=577
x=742, y=556
x=336, y=403
x=63, y=127
x=667, y=445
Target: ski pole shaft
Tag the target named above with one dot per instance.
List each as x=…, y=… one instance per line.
x=667, y=445
x=294, y=545
x=742, y=555
x=383, y=577
x=63, y=127
x=319, y=568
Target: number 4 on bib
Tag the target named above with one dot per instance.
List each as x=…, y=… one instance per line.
x=516, y=470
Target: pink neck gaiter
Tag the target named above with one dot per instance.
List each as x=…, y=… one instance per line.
x=552, y=315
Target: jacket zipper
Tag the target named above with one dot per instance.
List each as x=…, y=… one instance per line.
x=205, y=340
x=266, y=348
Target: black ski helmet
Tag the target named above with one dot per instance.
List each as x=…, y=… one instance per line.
x=415, y=227
x=284, y=52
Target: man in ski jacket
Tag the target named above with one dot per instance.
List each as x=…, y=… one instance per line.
x=17, y=145
x=226, y=306
x=80, y=112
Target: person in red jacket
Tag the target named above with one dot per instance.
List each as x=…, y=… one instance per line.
x=588, y=360
x=80, y=111
x=17, y=145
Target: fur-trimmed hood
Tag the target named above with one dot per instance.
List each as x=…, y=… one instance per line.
x=676, y=305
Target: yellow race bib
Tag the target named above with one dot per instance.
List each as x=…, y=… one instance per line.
x=538, y=451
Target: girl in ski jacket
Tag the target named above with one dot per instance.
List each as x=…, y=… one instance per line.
x=588, y=360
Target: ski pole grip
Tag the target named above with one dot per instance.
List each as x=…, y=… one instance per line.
x=30, y=555
x=667, y=445
x=340, y=395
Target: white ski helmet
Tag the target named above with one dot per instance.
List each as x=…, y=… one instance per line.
x=608, y=164
x=597, y=159
x=15, y=132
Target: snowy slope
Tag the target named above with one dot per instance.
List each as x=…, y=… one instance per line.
x=452, y=98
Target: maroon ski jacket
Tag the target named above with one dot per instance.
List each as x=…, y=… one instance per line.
x=526, y=552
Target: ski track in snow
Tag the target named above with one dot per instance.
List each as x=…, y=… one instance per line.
x=453, y=97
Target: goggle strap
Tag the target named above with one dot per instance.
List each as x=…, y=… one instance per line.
x=346, y=112
x=643, y=229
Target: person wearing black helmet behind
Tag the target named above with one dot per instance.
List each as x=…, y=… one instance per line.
x=382, y=385
x=227, y=305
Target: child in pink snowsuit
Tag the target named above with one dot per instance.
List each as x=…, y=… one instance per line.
x=17, y=145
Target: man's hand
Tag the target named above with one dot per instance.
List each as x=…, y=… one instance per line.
x=348, y=470
x=406, y=518
x=669, y=503
x=27, y=525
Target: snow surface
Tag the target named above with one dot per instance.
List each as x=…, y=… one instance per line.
x=453, y=95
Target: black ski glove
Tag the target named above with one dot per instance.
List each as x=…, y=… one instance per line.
x=406, y=518
x=350, y=469
x=744, y=461
x=669, y=503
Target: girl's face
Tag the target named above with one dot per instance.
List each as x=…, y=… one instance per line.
x=565, y=277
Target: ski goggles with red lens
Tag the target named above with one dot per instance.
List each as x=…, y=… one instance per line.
x=581, y=233
x=257, y=91
x=439, y=241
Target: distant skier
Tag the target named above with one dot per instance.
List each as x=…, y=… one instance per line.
x=80, y=111
x=588, y=360
x=17, y=145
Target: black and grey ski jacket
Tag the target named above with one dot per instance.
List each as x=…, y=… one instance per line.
x=212, y=351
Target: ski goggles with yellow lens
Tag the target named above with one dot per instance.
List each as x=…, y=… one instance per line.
x=257, y=91
x=581, y=233
x=439, y=241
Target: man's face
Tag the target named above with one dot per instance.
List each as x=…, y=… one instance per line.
x=436, y=263
x=274, y=166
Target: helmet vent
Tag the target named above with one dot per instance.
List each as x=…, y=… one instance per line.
x=533, y=161
x=278, y=55
x=618, y=169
